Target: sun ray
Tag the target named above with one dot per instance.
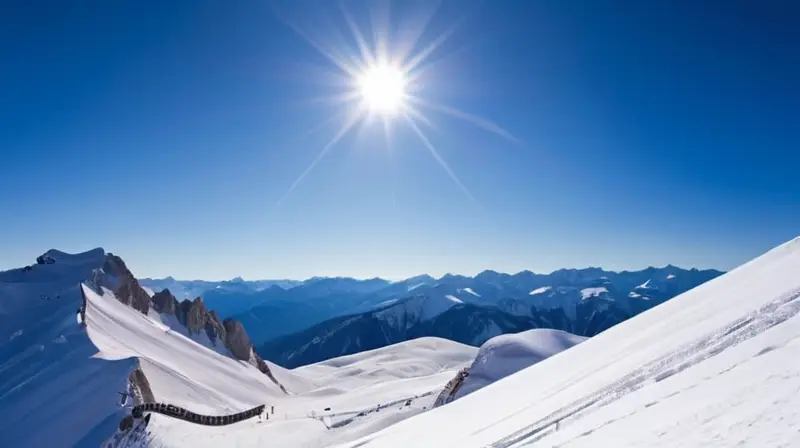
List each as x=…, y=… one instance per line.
x=367, y=56
x=355, y=117
x=438, y=158
x=323, y=123
x=414, y=32
x=387, y=132
x=338, y=61
x=421, y=117
x=474, y=119
x=420, y=57
x=380, y=30
x=429, y=66
x=334, y=99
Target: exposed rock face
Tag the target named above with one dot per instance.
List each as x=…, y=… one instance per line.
x=451, y=388
x=238, y=343
x=126, y=287
x=165, y=302
x=140, y=387
x=264, y=368
x=196, y=316
x=192, y=314
x=45, y=259
x=236, y=340
x=215, y=329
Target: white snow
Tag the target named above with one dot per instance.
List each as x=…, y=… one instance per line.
x=503, y=355
x=715, y=366
x=365, y=392
x=413, y=287
x=469, y=291
x=588, y=293
x=541, y=290
x=636, y=295
x=670, y=276
x=645, y=285
x=453, y=298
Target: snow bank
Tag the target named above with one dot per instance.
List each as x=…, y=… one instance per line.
x=507, y=354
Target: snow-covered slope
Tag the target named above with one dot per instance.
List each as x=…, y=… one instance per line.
x=335, y=401
x=180, y=371
x=716, y=366
x=506, y=354
x=69, y=346
x=49, y=368
x=411, y=359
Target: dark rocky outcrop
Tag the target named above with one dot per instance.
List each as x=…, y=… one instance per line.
x=215, y=329
x=236, y=340
x=165, y=302
x=196, y=316
x=45, y=259
x=124, y=284
x=239, y=344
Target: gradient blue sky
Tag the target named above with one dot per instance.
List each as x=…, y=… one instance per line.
x=650, y=133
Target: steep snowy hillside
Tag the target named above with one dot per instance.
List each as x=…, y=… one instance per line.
x=49, y=368
x=716, y=366
x=504, y=355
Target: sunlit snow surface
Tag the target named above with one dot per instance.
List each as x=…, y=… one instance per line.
x=717, y=366
x=187, y=374
x=507, y=354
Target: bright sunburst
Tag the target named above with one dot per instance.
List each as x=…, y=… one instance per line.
x=381, y=80
x=382, y=88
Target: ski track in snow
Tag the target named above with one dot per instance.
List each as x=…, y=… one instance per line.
x=757, y=322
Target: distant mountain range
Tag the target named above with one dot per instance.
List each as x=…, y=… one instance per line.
x=297, y=323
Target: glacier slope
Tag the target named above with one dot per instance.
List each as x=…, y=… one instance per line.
x=715, y=366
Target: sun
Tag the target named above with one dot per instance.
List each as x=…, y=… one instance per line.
x=388, y=79
x=382, y=89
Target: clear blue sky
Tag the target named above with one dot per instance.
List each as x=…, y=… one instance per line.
x=649, y=133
